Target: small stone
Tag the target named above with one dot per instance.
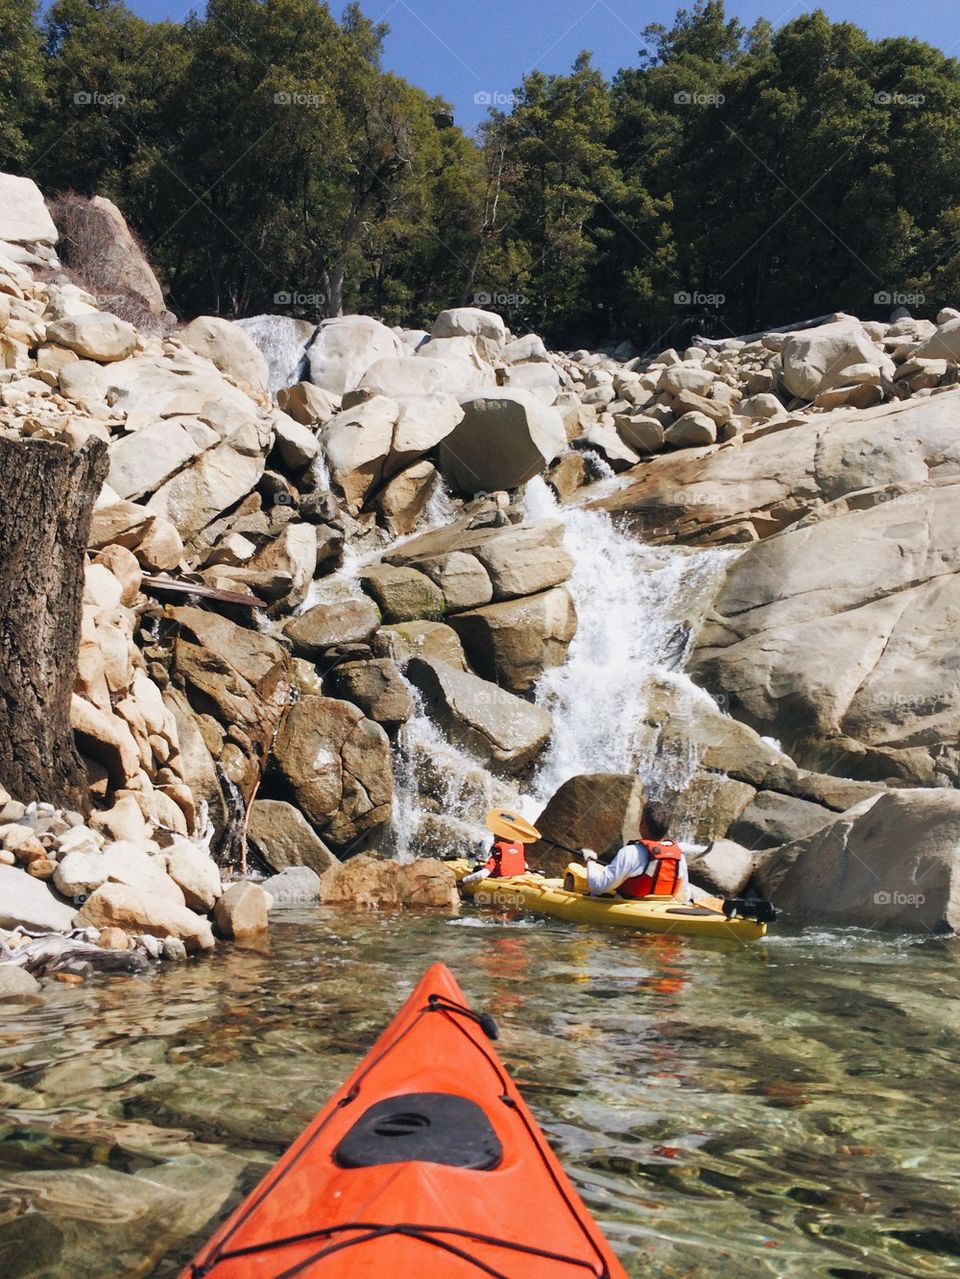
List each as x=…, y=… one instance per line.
x=174, y=950
x=6, y=859
x=16, y=983
x=113, y=939
x=41, y=868
x=69, y=979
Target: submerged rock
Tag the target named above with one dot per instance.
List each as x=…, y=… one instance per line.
x=375, y=883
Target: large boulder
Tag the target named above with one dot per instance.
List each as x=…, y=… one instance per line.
x=343, y=621
x=218, y=479
x=339, y=769
x=501, y=729
x=95, y=336
x=403, y=594
x=518, y=559
x=514, y=642
x=97, y=243
x=31, y=903
x=285, y=839
x=375, y=884
x=24, y=218
x=356, y=444
x=506, y=438
x=423, y=639
x=848, y=657
x=814, y=358
x=345, y=348
x=780, y=476
x=485, y=328
x=231, y=349
x=371, y=441
x=461, y=577
x=724, y=868
x=294, y=886
x=894, y=867
x=137, y=910
x=142, y=461
x=377, y=687
x=601, y=811
x=773, y=819
x=195, y=873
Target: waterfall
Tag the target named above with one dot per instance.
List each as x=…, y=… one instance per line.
x=283, y=342
x=637, y=606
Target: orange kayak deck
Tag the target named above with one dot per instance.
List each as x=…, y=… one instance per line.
x=370, y=1189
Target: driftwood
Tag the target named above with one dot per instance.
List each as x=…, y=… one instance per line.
x=47, y=492
x=67, y=953
x=168, y=586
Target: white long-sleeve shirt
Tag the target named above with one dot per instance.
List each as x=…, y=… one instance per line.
x=632, y=859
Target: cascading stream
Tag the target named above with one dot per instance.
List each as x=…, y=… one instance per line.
x=637, y=607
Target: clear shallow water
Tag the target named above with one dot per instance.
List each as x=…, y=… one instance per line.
x=783, y=1111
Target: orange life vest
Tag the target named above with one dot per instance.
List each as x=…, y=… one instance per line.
x=506, y=860
x=662, y=876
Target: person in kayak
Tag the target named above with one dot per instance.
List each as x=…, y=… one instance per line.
x=506, y=859
x=652, y=866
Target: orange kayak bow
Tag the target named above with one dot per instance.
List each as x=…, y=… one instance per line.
x=427, y=1161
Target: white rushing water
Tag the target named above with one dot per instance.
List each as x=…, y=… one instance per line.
x=283, y=341
x=637, y=605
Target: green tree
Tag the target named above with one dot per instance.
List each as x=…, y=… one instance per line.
x=22, y=80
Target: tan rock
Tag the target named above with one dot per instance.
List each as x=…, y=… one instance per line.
x=339, y=767
x=372, y=883
x=125, y=567
x=514, y=642
x=402, y=500
x=599, y=810
x=137, y=911
x=377, y=687
x=283, y=837
x=403, y=594
x=195, y=873
x=231, y=349
x=242, y=911
x=113, y=939
x=105, y=738
x=95, y=336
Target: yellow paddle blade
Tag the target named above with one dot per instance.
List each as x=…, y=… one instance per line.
x=506, y=824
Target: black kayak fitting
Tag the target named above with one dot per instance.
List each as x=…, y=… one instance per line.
x=434, y=1127
x=763, y=912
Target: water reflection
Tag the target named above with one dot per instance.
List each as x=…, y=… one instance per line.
x=782, y=1111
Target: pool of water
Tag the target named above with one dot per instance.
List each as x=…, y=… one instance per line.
x=785, y=1110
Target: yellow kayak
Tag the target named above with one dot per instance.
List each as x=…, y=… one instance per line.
x=543, y=896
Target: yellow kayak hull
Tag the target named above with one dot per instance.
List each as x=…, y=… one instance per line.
x=548, y=897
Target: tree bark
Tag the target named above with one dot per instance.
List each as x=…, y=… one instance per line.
x=47, y=494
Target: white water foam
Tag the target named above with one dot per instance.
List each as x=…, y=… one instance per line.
x=637, y=605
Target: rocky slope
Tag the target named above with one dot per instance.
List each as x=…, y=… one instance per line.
x=311, y=575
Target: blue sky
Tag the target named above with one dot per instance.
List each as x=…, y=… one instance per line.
x=460, y=49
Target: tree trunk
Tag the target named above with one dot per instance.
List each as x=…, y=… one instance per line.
x=47, y=493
